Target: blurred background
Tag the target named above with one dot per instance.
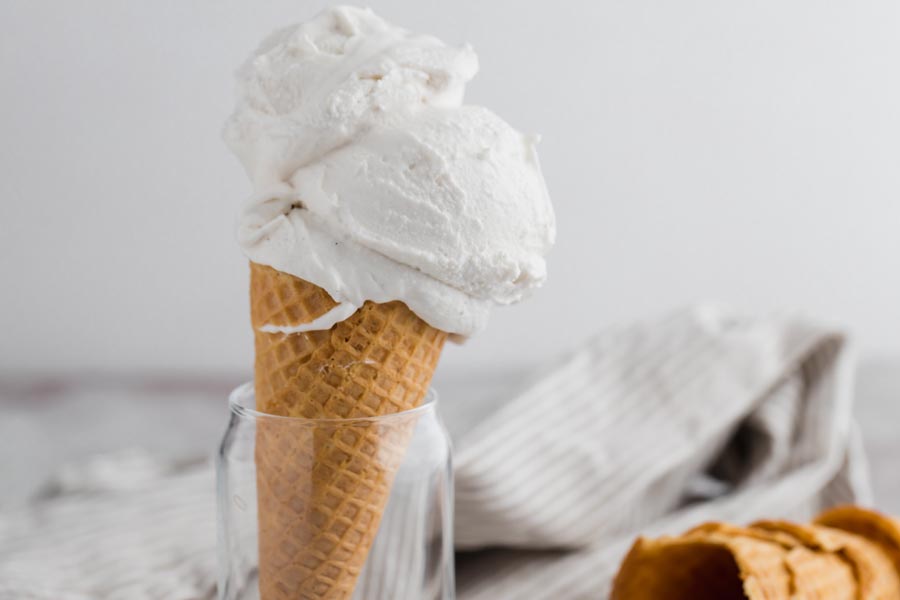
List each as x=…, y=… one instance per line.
x=741, y=152
x=744, y=152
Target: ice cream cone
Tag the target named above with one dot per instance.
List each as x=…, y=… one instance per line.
x=372, y=180
x=322, y=489
x=872, y=569
x=736, y=531
x=703, y=564
x=874, y=526
x=817, y=568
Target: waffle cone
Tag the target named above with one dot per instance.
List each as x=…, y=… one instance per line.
x=872, y=570
x=322, y=489
x=704, y=564
x=874, y=526
x=814, y=561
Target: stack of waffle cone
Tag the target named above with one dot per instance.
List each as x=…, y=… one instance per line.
x=323, y=487
x=846, y=554
x=879, y=528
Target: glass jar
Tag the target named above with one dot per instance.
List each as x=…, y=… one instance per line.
x=334, y=508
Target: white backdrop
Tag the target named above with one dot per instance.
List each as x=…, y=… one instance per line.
x=747, y=152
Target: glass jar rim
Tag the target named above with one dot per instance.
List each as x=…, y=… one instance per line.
x=238, y=406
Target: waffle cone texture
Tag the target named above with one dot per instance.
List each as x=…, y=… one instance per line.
x=322, y=486
x=847, y=553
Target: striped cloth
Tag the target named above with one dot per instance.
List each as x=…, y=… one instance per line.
x=647, y=428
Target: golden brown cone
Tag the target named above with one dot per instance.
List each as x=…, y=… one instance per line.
x=872, y=525
x=817, y=574
x=726, y=529
x=817, y=570
x=872, y=569
x=322, y=490
x=705, y=564
x=769, y=560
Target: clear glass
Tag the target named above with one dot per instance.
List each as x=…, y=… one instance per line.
x=334, y=508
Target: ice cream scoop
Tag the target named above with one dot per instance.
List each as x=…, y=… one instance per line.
x=375, y=182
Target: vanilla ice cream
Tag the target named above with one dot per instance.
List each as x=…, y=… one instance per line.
x=375, y=182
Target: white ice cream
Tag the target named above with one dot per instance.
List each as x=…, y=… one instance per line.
x=325, y=322
x=374, y=181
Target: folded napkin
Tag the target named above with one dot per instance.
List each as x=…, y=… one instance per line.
x=652, y=427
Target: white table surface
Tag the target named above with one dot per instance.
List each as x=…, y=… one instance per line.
x=47, y=422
